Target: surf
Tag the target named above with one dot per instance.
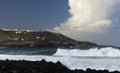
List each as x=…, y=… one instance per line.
x=71, y=58
x=93, y=52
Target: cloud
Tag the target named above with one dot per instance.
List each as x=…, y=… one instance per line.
x=88, y=18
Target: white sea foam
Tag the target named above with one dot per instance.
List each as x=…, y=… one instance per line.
x=72, y=62
x=93, y=52
x=68, y=58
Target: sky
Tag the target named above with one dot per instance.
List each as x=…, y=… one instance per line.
x=32, y=14
x=85, y=20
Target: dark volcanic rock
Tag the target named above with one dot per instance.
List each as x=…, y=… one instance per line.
x=31, y=67
x=41, y=67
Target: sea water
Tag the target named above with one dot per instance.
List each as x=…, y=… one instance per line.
x=94, y=58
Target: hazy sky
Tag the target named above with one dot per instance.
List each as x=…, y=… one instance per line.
x=32, y=14
x=87, y=20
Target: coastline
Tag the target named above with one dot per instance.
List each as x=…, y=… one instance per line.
x=22, y=66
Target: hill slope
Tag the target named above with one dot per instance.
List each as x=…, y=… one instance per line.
x=23, y=38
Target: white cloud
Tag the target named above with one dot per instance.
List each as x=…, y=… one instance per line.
x=88, y=15
x=88, y=18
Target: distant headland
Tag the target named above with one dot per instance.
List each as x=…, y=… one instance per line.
x=28, y=38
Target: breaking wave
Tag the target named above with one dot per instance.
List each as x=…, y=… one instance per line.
x=68, y=57
x=93, y=52
x=71, y=62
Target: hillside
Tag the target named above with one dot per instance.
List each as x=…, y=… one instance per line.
x=24, y=38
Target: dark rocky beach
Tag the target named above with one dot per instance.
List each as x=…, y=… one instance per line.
x=22, y=66
x=23, y=38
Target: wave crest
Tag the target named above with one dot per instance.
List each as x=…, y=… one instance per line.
x=93, y=52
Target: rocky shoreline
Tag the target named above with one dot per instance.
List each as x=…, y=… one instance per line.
x=11, y=66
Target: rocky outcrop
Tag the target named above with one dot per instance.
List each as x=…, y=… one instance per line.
x=41, y=67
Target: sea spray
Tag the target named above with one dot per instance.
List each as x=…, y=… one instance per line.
x=73, y=60
x=93, y=52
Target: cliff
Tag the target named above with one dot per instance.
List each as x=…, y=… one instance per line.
x=24, y=38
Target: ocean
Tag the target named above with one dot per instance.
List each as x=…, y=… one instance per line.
x=94, y=58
